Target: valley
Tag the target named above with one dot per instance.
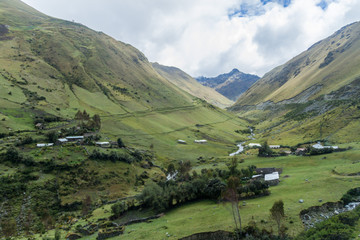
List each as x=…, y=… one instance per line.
x=96, y=142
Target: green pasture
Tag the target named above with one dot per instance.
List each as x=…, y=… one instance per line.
x=162, y=130
x=307, y=178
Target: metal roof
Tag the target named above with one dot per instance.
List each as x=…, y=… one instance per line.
x=272, y=176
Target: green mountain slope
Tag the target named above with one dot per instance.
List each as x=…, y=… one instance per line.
x=44, y=55
x=52, y=67
x=314, y=96
x=325, y=67
x=190, y=85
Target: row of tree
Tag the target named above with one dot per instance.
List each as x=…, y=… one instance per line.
x=90, y=123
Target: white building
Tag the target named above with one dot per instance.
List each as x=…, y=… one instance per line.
x=272, y=178
x=200, y=141
x=274, y=146
x=181, y=141
x=75, y=138
x=103, y=144
x=319, y=146
x=254, y=145
x=44, y=144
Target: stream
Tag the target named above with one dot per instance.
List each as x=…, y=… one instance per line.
x=241, y=148
x=252, y=135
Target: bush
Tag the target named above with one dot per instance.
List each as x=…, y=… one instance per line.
x=153, y=197
x=52, y=136
x=119, y=208
x=112, y=156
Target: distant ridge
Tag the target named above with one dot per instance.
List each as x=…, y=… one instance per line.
x=231, y=84
x=190, y=85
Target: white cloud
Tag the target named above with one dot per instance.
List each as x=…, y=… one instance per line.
x=198, y=35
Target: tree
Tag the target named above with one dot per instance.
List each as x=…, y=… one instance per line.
x=119, y=208
x=232, y=167
x=97, y=122
x=85, y=115
x=277, y=213
x=86, y=205
x=265, y=150
x=57, y=234
x=120, y=143
x=52, y=136
x=233, y=183
x=8, y=227
x=153, y=196
x=78, y=115
x=171, y=168
x=184, y=168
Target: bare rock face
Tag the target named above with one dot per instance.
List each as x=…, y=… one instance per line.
x=316, y=214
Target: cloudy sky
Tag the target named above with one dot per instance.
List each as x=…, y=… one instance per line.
x=209, y=37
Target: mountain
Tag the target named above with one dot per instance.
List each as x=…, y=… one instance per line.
x=327, y=66
x=314, y=96
x=190, y=85
x=231, y=84
x=41, y=54
x=51, y=69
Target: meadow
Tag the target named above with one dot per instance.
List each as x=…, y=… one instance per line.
x=311, y=178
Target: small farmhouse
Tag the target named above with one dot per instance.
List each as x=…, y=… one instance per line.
x=300, y=151
x=181, y=141
x=39, y=126
x=285, y=152
x=319, y=146
x=254, y=145
x=274, y=146
x=200, y=141
x=75, y=138
x=61, y=141
x=272, y=178
x=103, y=144
x=44, y=144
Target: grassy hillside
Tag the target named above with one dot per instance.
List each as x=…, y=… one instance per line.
x=190, y=85
x=52, y=67
x=86, y=69
x=325, y=67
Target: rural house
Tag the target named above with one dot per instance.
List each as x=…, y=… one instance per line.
x=274, y=146
x=39, y=126
x=44, y=145
x=300, y=151
x=75, y=138
x=272, y=178
x=103, y=144
x=181, y=141
x=254, y=145
x=61, y=141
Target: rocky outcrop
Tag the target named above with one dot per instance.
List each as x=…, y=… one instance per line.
x=316, y=214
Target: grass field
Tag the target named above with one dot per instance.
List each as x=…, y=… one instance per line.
x=307, y=178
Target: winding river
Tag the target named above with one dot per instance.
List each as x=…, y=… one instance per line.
x=241, y=148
